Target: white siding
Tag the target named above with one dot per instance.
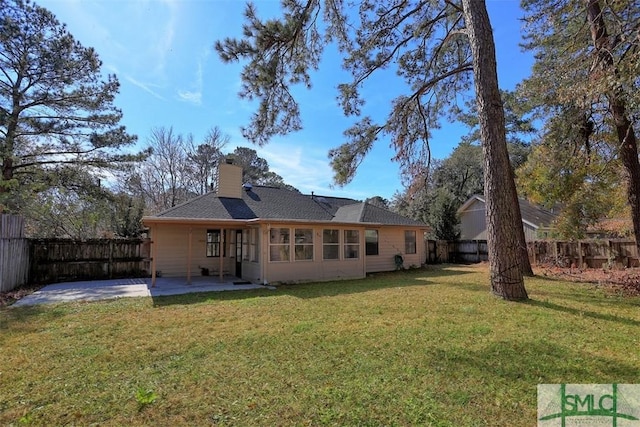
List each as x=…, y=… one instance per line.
x=473, y=222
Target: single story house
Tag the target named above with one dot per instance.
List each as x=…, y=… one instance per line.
x=265, y=235
x=536, y=221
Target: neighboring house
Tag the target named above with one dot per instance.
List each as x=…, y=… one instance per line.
x=265, y=235
x=536, y=221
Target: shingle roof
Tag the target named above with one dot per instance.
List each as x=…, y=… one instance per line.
x=536, y=214
x=272, y=203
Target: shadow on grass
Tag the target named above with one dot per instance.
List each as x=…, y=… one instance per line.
x=16, y=317
x=375, y=281
x=583, y=313
x=535, y=362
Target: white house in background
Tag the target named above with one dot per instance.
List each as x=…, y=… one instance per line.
x=536, y=221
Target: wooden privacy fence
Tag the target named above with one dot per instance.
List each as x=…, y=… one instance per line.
x=14, y=252
x=585, y=253
x=462, y=251
x=55, y=260
x=581, y=253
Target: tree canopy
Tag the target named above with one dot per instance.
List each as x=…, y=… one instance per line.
x=56, y=110
x=586, y=90
x=433, y=45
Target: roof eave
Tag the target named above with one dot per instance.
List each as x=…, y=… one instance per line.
x=148, y=220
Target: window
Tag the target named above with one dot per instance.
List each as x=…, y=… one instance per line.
x=253, y=245
x=351, y=244
x=279, y=244
x=330, y=244
x=250, y=245
x=303, y=248
x=245, y=245
x=371, y=242
x=213, y=243
x=409, y=242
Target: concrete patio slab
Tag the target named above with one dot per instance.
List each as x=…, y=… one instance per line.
x=122, y=288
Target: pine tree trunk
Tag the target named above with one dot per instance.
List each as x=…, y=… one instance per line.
x=624, y=128
x=505, y=236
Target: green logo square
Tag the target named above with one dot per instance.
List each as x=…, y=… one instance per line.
x=565, y=405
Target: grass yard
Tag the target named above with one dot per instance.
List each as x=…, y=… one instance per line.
x=422, y=347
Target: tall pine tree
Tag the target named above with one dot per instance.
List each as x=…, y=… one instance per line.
x=56, y=110
x=440, y=48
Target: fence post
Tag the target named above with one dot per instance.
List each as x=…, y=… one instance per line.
x=110, y=259
x=14, y=252
x=580, y=261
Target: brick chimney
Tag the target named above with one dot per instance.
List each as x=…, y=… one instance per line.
x=229, y=180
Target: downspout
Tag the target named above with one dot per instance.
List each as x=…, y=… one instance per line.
x=222, y=243
x=363, y=251
x=263, y=254
x=154, y=254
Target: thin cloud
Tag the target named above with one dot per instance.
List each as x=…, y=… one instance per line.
x=195, y=96
x=192, y=97
x=307, y=170
x=165, y=42
x=144, y=87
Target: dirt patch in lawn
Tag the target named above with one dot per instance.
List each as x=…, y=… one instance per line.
x=9, y=297
x=625, y=281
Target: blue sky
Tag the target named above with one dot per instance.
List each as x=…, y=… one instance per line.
x=162, y=53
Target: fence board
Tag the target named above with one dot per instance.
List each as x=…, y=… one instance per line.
x=582, y=253
x=55, y=260
x=14, y=253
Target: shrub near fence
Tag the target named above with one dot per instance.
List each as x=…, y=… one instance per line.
x=55, y=260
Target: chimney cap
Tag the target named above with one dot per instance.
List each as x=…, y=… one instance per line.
x=228, y=160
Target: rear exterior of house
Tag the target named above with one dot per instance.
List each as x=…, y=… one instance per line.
x=268, y=235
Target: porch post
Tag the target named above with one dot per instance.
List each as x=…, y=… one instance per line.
x=189, y=254
x=222, y=245
x=154, y=253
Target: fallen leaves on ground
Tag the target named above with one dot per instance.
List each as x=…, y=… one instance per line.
x=624, y=280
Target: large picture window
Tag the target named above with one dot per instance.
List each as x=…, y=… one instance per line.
x=330, y=244
x=213, y=243
x=351, y=244
x=303, y=248
x=279, y=245
x=409, y=242
x=371, y=242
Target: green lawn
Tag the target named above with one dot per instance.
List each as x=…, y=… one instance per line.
x=422, y=347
